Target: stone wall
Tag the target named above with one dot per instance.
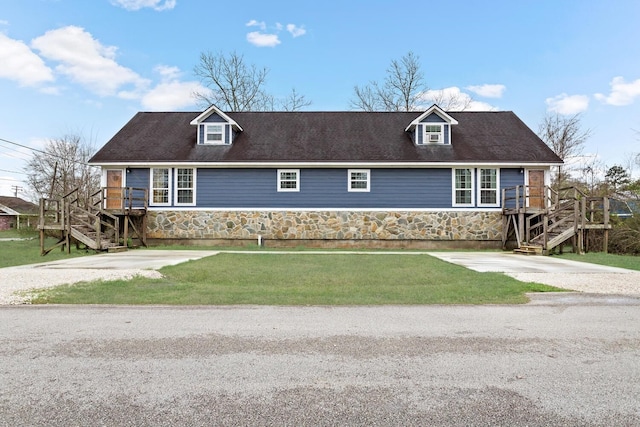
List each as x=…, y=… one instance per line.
x=326, y=225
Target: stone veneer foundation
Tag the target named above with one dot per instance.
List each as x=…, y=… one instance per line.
x=392, y=227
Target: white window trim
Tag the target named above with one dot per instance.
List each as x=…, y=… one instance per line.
x=223, y=141
x=425, y=134
x=151, y=187
x=279, y=180
x=497, y=189
x=175, y=190
x=453, y=188
x=359, y=190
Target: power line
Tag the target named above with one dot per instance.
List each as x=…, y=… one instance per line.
x=4, y=170
x=48, y=154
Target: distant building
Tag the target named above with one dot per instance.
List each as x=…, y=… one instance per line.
x=17, y=213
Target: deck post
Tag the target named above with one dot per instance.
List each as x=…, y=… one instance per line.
x=605, y=239
x=520, y=226
x=126, y=229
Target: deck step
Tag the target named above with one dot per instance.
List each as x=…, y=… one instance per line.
x=117, y=249
x=528, y=250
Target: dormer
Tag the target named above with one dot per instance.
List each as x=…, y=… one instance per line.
x=215, y=127
x=432, y=127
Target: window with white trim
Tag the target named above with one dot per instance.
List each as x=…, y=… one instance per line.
x=359, y=179
x=160, y=187
x=433, y=134
x=288, y=179
x=488, y=180
x=463, y=187
x=214, y=134
x=185, y=192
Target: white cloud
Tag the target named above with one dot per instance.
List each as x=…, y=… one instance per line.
x=167, y=72
x=4, y=22
x=263, y=40
x=487, y=90
x=20, y=64
x=259, y=24
x=453, y=99
x=622, y=93
x=296, y=31
x=86, y=61
x=567, y=104
x=170, y=94
x=158, y=5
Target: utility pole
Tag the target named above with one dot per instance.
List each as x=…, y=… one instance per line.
x=15, y=189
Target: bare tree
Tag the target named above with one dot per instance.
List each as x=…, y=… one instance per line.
x=234, y=85
x=449, y=100
x=404, y=89
x=294, y=101
x=62, y=167
x=401, y=90
x=565, y=136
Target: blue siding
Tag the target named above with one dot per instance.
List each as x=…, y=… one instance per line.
x=510, y=178
x=214, y=118
x=432, y=118
x=324, y=188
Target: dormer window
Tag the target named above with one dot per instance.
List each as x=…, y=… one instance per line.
x=215, y=127
x=433, y=134
x=214, y=134
x=432, y=127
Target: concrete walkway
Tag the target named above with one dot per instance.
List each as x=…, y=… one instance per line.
x=561, y=273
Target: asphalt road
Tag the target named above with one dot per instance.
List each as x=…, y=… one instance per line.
x=571, y=361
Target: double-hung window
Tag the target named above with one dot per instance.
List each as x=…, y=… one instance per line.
x=488, y=180
x=185, y=193
x=160, y=187
x=214, y=134
x=288, y=179
x=433, y=134
x=359, y=180
x=463, y=187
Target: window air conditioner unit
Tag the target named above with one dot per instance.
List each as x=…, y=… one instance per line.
x=434, y=137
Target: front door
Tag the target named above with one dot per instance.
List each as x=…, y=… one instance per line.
x=536, y=188
x=114, y=189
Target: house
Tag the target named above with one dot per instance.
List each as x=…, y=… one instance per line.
x=17, y=213
x=386, y=179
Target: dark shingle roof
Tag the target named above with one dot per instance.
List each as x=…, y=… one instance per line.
x=325, y=137
x=19, y=205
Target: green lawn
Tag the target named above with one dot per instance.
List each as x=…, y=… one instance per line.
x=27, y=251
x=622, y=261
x=305, y=279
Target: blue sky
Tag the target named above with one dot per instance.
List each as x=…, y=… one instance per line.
x=87, y=66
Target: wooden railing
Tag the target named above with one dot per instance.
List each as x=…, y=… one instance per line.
x=566, y=213
x=120, y=199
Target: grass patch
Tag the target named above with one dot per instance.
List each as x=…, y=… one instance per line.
x=304, y=279
x=27, y=251
x=622, y=261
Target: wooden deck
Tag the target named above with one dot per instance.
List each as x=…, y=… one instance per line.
x=110, y=218
x=561, y=216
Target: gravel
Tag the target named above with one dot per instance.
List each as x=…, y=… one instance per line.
x=16, y=282
x=597, y=283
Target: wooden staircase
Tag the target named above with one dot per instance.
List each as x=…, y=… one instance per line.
x=89, y=223
x=568, y=215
